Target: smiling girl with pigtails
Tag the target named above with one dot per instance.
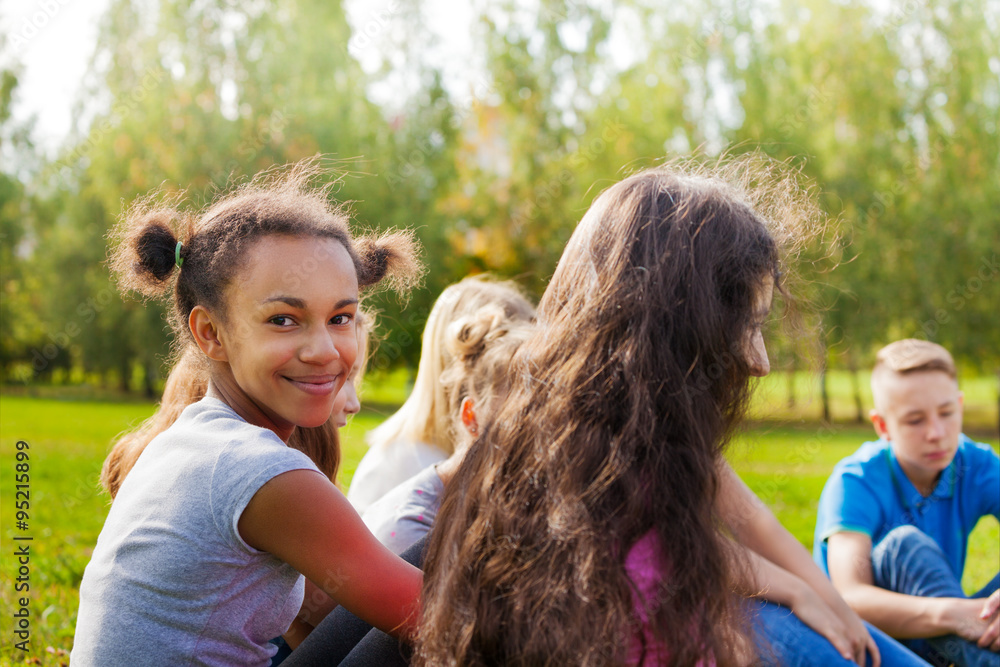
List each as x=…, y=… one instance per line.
x=201, y=557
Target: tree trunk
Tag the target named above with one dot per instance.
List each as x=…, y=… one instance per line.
x=824, y=394
x=147, y=383
x=123, y=380
x=791, y=381
x=859, y=410
x=824, y=361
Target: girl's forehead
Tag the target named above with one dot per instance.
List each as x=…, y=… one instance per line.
x=298, y=267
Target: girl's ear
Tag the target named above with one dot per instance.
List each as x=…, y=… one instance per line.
x=468, y=412
x=206, y=334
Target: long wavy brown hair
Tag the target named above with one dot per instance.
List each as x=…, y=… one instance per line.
x=619, y=411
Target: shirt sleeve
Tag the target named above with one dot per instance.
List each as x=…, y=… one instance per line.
x=848, y=503
x=242, y=468
x=988, y=469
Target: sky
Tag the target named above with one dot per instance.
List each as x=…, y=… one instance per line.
x=53, y=40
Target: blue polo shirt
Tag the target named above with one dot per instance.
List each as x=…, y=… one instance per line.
x=869, y=493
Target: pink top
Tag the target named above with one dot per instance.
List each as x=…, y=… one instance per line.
x=643, y=567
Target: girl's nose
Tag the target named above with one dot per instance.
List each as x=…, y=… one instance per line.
x=319, y=348
x=353, y=405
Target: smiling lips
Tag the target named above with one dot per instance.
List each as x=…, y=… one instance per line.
x=317, y=385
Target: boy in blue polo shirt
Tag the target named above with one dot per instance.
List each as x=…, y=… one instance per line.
x=894, y=517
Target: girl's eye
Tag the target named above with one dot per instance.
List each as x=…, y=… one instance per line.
x=914, y=422
x=340, y=319
x=281, y=320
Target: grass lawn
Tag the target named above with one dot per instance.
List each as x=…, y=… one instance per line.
x=68, y=440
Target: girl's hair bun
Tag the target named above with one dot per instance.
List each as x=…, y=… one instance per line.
x=469, y=336
x=144, y=249
x=393, y=256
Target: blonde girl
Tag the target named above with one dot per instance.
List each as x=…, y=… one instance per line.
x=419, y=434
x=481, y=346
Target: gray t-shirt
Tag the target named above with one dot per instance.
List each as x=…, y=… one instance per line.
x=407, y=512
x=171, y=582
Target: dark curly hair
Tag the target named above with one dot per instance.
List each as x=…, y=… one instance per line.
x=619, y=411
x=282, y=202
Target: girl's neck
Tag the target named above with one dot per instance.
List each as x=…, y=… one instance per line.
x=446, y=469
x=224, y=388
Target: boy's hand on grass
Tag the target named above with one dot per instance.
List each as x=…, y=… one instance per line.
x=991, y=614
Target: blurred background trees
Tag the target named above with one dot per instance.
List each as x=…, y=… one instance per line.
x=891, y=111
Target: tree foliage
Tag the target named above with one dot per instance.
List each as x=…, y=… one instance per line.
x=891, y=112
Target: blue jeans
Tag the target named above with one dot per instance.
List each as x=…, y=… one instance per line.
x=908, y=561
x=782, y=639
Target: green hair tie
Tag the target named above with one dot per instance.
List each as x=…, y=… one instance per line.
x=178, y=260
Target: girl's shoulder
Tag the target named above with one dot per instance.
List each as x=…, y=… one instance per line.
x=211, y=419
x=209, y=432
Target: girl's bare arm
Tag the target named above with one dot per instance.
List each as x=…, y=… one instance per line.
x=755, y=526
x=304, y=520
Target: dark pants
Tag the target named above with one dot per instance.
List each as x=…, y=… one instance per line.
x=344, y=639
x=908, y=561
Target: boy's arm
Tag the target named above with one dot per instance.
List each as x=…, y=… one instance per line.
x=901, y=616
x=756, y=527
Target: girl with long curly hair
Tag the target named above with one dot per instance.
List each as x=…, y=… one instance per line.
x=594, y=521
x=586, y=525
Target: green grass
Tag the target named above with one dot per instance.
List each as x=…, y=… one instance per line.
x=787, y=467
x=772, y=399
x=68, y=440
x=67, y=443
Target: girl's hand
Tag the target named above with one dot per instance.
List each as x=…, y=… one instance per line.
x=858, y=633
x=851, y=639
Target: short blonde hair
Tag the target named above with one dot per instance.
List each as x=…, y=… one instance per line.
x=910, y=355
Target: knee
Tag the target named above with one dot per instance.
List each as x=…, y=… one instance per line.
x=897, y=548
x=906, y=538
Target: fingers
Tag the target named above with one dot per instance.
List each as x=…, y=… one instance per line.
x=859, y=646
x=852, y=646
x=991, y=605
x=991, y=637
x=844, y=648
x=873, y=650
x=839, y=636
